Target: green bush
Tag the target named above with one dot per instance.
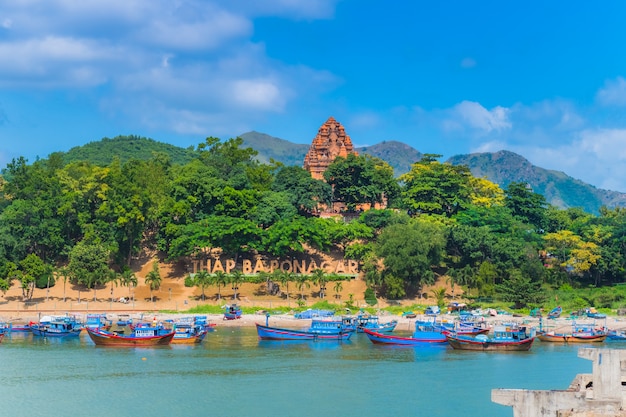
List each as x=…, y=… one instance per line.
x=370, y=297
x=42, y=281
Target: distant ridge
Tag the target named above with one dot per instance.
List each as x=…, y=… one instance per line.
x=397, y=154
x=280, y=150
x=559, y=189
x=501, y=167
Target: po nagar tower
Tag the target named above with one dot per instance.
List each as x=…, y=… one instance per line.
x=331, y=141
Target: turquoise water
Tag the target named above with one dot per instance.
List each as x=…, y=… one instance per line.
x=232, y=373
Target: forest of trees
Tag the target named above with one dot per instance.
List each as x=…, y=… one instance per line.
x=85, y=222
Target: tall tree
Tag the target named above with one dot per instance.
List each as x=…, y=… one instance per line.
x=361, y=179
x=409, y=252
x=526, y=204
x=153, y=279
x=436, y=188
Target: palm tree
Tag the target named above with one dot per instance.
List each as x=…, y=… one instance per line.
x=220, y=279
x=301, y=282
x=153, y=279
x=65, y=274
x=113, y=277
x=440, y=296
x=284, y=277
x=202, y=279
x=236, y=278
x=128, y=279
x=320, y=278
x=338, y=288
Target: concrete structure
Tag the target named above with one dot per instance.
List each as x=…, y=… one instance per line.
x=601, y=394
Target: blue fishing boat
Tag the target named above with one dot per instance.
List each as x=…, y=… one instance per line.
x=232, y=312
x=465, y=326
x=366, y=321
x=616, y=334
x=594, y=314
x=204, y=322
x=97, y=321
x=425, y=333
x=57, y=326
x=555, y=313
x=319, y=330
x=506, y=338
x=187, y=330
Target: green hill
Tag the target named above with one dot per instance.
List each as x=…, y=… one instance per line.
x=102, y=152
x=501, y=167
x=558, y=188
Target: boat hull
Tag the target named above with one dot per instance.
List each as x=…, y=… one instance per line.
x=189, y=339
x=463, y=343
x=45, y=332
x=419, y=338
x=569, y=338
x=379, y=328
x=103, y=338
x=275, y=333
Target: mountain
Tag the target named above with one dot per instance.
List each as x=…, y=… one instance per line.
x=559, y=189
x=397, y=154
x=501, y=167
x=125, y=148
x=280, y=150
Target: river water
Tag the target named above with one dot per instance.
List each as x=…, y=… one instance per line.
x=233, y=374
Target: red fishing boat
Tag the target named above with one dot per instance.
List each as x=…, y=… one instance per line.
x=141, y=337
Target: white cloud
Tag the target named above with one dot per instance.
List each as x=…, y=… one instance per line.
x=613, y=93
x=260, y=94
x=185, y=66
x=472, y=115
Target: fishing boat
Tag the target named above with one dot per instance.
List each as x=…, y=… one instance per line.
x=57, y=326
x=187, y=331
x=204, y=322
x=319, y=330
x=555, y=313
x=616, y=335
x=581, y=333
x=366, y=321
x=19, y=327
x=465, y=326
x=425, y=333
x=4, y=329
x=232, y=312
x=140, y=337
x=506, y=338
x=594, y=314
x=97, y=321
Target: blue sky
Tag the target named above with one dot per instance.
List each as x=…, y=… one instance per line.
x=544, y=79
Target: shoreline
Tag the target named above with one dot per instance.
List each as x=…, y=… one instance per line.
x=289, y=321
